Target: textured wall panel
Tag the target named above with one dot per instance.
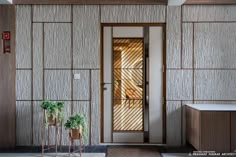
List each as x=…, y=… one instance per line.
x=86, y=36
x=179, y=85
x=65, y=133
x=23, y=36
x=95, y=108
x=187, y=47
x=215, y=85
x=209, y=13
x=23, y=123
x=52, y=13
x=58, y=84
x=184, y=121
x=81, y=87
x=214, y=45
x=133, y=13
x=23, y=84
x=82, y=107
x=37, y=61
x=37, y=123
x=57, y=45
x=173, y=123
x=173, y=35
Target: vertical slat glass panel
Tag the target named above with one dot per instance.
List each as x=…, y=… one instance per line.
x=128, y=79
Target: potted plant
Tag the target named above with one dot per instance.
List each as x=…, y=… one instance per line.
x=77, y=125
x=53, y=112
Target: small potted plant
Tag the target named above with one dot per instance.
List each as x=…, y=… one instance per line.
x=53, y=112
x=77, y=125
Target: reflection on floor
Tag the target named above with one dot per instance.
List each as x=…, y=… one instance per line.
x=51, y=155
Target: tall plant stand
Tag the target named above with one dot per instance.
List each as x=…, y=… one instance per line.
x=51, y=123
x=75, y=135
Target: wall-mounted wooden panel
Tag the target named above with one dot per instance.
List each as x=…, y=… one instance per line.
x=214, y=45
x=215, y=134
x=58, y=84
x=52, y=13
x=23, y=123
x=23, y=84
x=215, y=85
x=57, y=45
x=233, y=130
x=187, y=45
x=208, y=13
x=23, y=36
x=95, y=107
x=173, y=37
x=173, y=121
x=179, y=85
x=81, y=87
x=133, y=13
x=7, y=80
x=86, y=36
x=37, y=61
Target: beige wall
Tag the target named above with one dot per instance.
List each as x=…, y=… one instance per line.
x=55, y=41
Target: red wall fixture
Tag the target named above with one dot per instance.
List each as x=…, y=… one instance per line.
x=6, y=41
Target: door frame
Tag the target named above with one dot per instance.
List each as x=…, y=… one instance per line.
x=102, y=25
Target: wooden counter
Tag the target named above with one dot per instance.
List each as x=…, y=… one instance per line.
x=211, y=127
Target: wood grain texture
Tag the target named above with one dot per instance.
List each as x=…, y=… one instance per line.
x=7, y=80
x=81, y=87
x=184, y=121
x=215, y=131
x=173, y=123
x=187, y=45
x=23, y=84
x=214, y=45
x=193, y=127
x=37, y=61
x=90, y=2
x=83, y=107
x=23, y=36
x=179, y=84
x=233, y=130
x=173, y=37
x=23, y=123
x=52, y=13
x=196, y=13
x=210, y=2
x=214, y=85
x=58, y=84
x=95, y=107
x=86, y=36
x=133, y=13
x=57, y=43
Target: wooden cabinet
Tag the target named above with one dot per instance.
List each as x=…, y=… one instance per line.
x=209, y=130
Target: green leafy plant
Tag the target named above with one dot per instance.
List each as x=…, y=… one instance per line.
x=54, y=110
x=77, y=121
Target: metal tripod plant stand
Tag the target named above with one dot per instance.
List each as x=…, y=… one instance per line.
x=52, y=123
x=76, y=134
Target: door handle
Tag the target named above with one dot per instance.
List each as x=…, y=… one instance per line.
x=104, y=88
